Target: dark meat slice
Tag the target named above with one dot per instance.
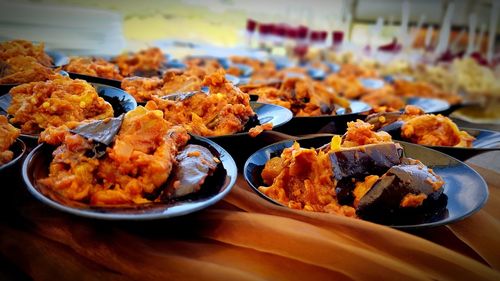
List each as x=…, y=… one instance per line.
x=361, y=161
x=195, y=164
x=409, y=178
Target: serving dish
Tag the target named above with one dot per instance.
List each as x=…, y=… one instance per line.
x=465, y=190
x=19, y=148
x=120, y=100
x=214, y=189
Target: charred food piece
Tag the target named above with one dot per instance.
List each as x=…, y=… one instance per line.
x=194, y=164
x=361, y=161
x=404, y=185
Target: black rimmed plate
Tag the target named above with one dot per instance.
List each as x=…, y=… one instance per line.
x=214, y=189
x=430, y=105
x=465, y=189
x=266, y=113
x=95, y=79
x=58, y=58
x=301, y=125
x=120, y=100
x=19, y=148
x=245, y=70
x=371, y=83
x=486, y=141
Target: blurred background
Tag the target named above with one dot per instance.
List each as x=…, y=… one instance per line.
x=112, y=26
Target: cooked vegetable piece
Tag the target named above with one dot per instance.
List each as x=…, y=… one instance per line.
x=194, y=164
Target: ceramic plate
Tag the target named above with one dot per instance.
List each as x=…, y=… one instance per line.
x=464, y=188
x=215, y=188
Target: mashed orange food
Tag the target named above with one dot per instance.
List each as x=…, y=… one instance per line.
x=144, y=89
x=430, y=129
x=225, y=110
x=38, y=105
x=8, y=135
x=16, y=48
x=302, y=95
x=97, y=67
x=23, y=69
x=133, y=168
x=148, y=60
x=303, y=178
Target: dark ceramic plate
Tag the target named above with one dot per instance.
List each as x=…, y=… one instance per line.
x=266, y=113
x=429, y=105
x=19, y=148
x=326, y=123
x=120, y=100
x=58, y=59
x=246, y=70
x=371, y=83
x=95, y=79
x=465, y=189
x=485, y=141
x=215, y=188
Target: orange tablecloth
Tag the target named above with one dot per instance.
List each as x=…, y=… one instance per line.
x=244, y=237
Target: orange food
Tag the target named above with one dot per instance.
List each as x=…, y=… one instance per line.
x=361, y=133
x=302, y=95
x=23, y=69
x=23, y=48
x=255, y=131
x=94, y=67
x=430, y=129
x=148, y=60
x=135, y=166
x=144, y=89
x=225, y=110
x=8, y=135
x=38, y=105
x=305, y=182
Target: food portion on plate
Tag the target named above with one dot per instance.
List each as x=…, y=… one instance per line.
x=148, y=62
x=8, y=135
x=415, y=126
x=223, y=110
x=360, y=173
x=97, y=67
x=302, y=95
x=22, y=61
x=146, y=160
x=36, y=106
x=144, y=88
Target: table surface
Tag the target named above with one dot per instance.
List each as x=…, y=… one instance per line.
x=244, y=237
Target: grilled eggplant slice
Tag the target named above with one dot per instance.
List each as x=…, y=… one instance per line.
x=361, y=161
x=194, y=164
x=410, y=178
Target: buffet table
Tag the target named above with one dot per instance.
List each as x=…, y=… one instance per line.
x=244, y=237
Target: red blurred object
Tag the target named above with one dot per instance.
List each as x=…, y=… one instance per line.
x=300, y=50
x=291, y=32
x=251, y=25
x=391, y=47
x=447, y=56
x=323, y=34
x=302, y=32
x=314, y=36
x=480, y=58
x=280, y=30
x=266, y=28
x=337, y=37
